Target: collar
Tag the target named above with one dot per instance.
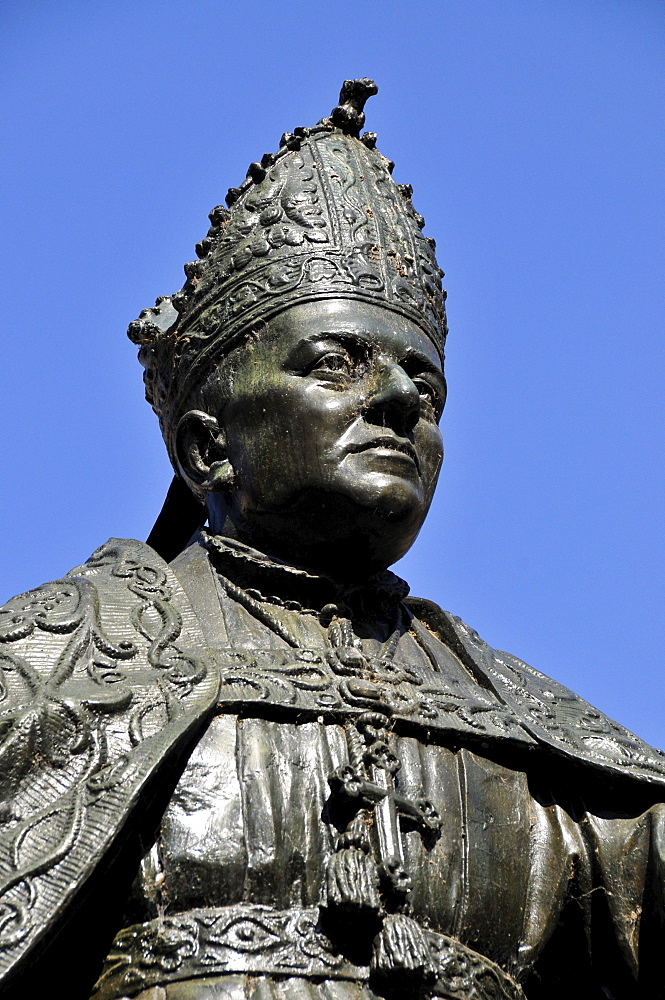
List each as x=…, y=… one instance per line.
x=298, y=588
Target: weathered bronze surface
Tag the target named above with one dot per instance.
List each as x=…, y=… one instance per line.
x=239, y=761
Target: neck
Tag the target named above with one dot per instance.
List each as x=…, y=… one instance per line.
x=268, y=576
x=337, y=542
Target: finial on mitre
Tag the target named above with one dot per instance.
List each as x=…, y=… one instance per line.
x=349, y=115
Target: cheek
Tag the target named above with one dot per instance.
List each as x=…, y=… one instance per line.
x=288, y=434
x=323, y=417
x=431, y=454
x=282, y=437
x=331, y=413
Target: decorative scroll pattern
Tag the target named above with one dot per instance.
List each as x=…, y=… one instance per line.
x=463, y=974
x=512, y=702
x=260, y=940
x=99, y=645
x=155, y=618
x=243, y=938
x=552, y=713
x=344, y=683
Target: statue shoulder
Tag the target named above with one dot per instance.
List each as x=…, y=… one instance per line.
x=559, y=719
x=103, y=674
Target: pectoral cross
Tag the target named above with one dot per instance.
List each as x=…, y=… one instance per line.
x=368, y=782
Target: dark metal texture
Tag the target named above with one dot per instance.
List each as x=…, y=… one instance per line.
x=261, y=771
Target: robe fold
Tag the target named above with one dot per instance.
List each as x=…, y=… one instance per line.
x=152, y=717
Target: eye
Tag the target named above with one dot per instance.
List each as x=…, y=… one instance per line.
x=429, y=395
x=335, y=362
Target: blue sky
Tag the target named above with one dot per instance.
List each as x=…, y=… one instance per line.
x=532, y=132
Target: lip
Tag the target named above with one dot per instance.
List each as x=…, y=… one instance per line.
x=385, y=443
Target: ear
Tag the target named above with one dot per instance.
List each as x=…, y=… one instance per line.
x=201, y=452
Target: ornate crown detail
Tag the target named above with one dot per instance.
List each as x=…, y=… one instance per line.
x=321, y=218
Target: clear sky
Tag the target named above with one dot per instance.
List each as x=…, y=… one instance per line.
x=532, y=132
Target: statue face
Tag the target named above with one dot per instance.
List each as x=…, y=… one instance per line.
x=332, y=434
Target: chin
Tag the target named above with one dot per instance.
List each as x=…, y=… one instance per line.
x=390, y=500
x=399, y=499
x=345, y=528
x=381, y=524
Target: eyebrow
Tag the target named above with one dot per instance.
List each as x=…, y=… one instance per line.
x=367, y=337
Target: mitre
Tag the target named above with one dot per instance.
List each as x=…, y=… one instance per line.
x=320, y=219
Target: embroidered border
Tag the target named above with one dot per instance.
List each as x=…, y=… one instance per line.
x=257, y=939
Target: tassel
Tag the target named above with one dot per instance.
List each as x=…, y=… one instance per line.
x=401, y=951
x=352, y=882
x=352, y=879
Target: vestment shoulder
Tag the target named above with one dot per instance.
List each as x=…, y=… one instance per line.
x=553, y=714
x=103, y=675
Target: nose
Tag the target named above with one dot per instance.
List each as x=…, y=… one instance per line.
x=394, y=401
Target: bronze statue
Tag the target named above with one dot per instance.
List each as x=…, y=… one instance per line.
x=238, y=761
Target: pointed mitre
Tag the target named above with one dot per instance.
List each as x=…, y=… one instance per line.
x=320, y=219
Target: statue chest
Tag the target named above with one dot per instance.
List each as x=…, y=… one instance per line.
x=255, y=818
x=333, y=776
x=354, y=779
